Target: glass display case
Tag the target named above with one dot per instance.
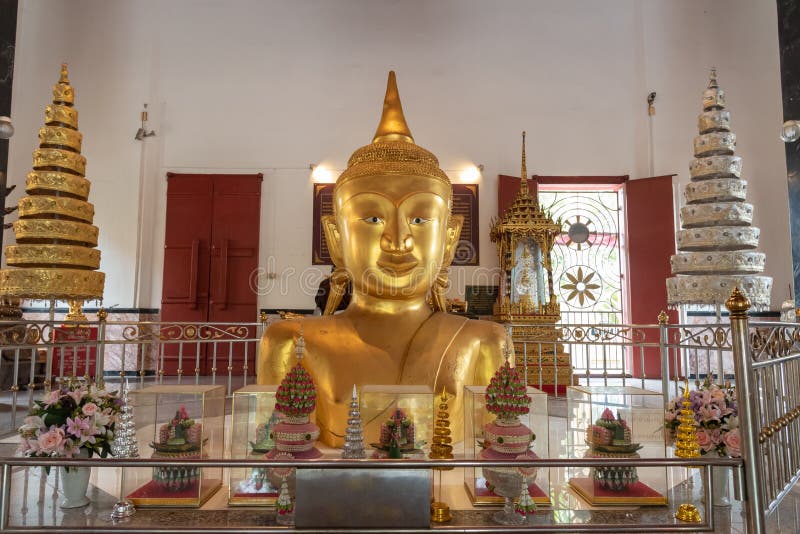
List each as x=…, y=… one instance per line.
x=252, y=419
x=177, y=422
x=616, y=422
x=397, y=419
x=476, y=417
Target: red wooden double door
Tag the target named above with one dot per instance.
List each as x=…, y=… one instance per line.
x=210, y=256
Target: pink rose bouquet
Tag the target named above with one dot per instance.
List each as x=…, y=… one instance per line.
x=716, y=416
x=73, y=417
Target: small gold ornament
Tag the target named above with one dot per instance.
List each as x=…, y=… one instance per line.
x=441, y=450
x=687, y=446
x=688, y=513
x=440, y=512
x=75, y=313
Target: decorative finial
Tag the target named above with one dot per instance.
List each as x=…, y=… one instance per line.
x=712, y=79
x=663, y=318
x=64, y=78
x=444, y=394
x=393, y=125
x=300, y=345
x=737, y=304
x=355, y=393
x=523, y=184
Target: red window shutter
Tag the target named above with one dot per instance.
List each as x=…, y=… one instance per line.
x=507, y=189
x=651, y=242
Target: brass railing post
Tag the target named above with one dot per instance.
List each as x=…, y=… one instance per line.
x=102, y=315
x=663, y=322
x=747, y=402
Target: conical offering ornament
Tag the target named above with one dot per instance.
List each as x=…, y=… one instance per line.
x=687, y=446
x=354, y=434
x=55, y=257
x=441, y=449
x=717, y=243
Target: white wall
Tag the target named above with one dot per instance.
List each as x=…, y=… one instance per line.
x=273, y=86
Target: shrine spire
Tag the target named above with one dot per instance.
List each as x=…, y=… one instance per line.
x=523, y=184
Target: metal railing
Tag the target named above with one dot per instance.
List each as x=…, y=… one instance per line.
x=655, y=357
x=763, y=359
x=767, y=362
x=36, y=354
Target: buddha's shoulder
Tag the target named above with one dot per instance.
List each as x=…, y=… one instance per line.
x=288, y=330
x=487, y=332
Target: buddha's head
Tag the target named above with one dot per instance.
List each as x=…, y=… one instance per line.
x=392, y=233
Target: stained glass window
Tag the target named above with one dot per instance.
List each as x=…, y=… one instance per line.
x=588, y=257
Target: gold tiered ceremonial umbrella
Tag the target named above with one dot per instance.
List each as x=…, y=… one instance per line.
x=55, y=256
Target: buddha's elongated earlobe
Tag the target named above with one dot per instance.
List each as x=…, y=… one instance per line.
x=333, y=238
x=339, y=277
x=454, y=224
x=339, y=281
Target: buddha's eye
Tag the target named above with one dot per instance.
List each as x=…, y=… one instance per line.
x=372, y=220
x=419, y=220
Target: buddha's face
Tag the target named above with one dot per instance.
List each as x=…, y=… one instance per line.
x=394, y=234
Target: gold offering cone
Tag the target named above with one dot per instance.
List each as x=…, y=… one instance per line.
x=55, y=256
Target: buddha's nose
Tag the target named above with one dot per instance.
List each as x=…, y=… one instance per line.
x=397, y=238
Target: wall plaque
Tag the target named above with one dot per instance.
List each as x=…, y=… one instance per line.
x=481, y=299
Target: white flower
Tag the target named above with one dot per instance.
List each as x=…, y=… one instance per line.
x=103, y=418
x=32, y=423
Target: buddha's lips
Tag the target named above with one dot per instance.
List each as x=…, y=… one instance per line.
x=398, y=265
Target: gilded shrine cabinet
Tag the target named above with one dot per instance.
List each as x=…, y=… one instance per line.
x=524, y=236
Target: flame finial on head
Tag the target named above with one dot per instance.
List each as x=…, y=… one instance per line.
x=392, y=152
x=393, y=126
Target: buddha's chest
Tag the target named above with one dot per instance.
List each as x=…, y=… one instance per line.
x=336, y=371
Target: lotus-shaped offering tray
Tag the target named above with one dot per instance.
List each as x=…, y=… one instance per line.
x=260, y=449
x=628, y=448
x=178, y=446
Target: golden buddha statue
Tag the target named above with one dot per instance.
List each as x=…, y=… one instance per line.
x=393, y=237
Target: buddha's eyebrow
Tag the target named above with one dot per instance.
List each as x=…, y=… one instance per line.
x=395, y=202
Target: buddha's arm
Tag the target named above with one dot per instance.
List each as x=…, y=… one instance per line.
x=276, y=352
x=491, y=357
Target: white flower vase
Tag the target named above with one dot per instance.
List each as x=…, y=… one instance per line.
x=74, y=484
x=720, y=483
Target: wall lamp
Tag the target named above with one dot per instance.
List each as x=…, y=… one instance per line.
x=321, y=174
x=143, y=132
x=6, y=128
x=471, y=174
x=790, y=131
